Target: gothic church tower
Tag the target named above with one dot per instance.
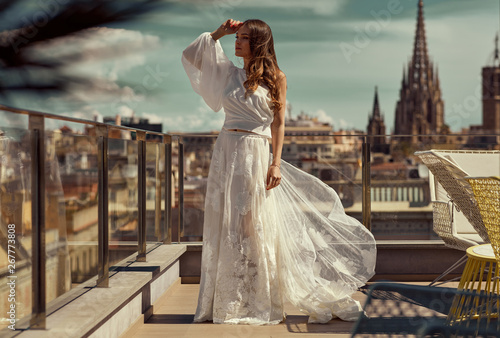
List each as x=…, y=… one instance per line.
x=376, y=126
x=420, y=109
x=491, y=94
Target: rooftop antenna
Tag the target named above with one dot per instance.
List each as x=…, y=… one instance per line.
x=495, y=60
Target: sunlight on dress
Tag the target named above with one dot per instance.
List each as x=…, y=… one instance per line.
x=263, y=247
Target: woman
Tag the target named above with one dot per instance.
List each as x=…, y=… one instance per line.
x=271, y=232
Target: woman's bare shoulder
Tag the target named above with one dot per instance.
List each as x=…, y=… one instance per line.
x=281, y=78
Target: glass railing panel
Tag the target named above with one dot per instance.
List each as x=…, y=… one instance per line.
x=399, y=188
x=71, y=207
x=175, y=188
x=401, y=201
x=123, y=198
x=15, y=219
x=197, y=157
x=399, y=191
x=155, y=159
x=335, y=160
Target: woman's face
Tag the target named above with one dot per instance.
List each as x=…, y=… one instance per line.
x=242, y=44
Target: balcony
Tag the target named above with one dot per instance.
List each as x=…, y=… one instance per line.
x=108, y=223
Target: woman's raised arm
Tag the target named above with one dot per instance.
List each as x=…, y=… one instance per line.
x=230, y=26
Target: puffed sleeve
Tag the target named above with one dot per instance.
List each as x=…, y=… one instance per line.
x=207, y=68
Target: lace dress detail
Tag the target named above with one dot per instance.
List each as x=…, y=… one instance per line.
x=260, y=247
x=239, y=283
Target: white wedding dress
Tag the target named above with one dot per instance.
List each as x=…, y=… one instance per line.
x=260, y=247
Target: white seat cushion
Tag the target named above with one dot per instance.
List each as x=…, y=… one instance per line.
x=475, y=164
x=472, y=237
x=462, y=224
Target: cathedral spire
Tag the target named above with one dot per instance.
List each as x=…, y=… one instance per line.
x=496, y=47
x=420, y=109
x=376, y=127
x=436, y=81
x=404, y=81
x=376, y=107
x=420, y=59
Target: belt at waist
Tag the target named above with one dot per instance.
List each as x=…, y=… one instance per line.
x=240, y=130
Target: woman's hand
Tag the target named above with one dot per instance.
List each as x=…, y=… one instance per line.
x=230, y=26
x=273, y=177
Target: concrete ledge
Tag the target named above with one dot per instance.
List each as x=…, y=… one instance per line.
x=190, y=268
x=411, y=244
x=397, y=260
x=108, y=312
x=416, y=260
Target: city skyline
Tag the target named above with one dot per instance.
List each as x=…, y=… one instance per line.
x=333, y=52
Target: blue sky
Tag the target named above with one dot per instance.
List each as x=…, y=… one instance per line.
x=311, y=39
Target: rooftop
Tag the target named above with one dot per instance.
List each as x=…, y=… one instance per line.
x=175, y=310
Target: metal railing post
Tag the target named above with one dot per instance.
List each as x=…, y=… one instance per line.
x=180, y=229
x=158, y=227
x=367, y=221
x=141, y=231
x=102, y=208
x=167, y=140
x=38, y=277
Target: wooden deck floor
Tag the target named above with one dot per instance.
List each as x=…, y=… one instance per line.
x=174, y=312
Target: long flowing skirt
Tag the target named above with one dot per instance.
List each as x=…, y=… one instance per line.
x=263, y=247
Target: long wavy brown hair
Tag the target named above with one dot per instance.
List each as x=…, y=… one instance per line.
x=263, y=67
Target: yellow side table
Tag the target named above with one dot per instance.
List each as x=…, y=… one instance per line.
x=478, y=305
x=480, y=270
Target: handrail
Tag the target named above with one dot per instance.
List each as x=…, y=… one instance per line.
x=188, y=134
x=75, y=120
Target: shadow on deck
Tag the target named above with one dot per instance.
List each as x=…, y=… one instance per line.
x=174, y=312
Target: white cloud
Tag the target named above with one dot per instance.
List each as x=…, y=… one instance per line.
x=341, y=124
x=85, y=113
x=153, y=118
x=320, y=7
x=203, y=119
x=126, y=111
x=323, y=116
x=93, y=44
x=100, y=54
x=344, y=124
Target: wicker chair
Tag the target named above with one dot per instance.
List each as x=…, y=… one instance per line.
x=444, y=226
x=487, y=193
x=452, y=178
x=450, y=193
